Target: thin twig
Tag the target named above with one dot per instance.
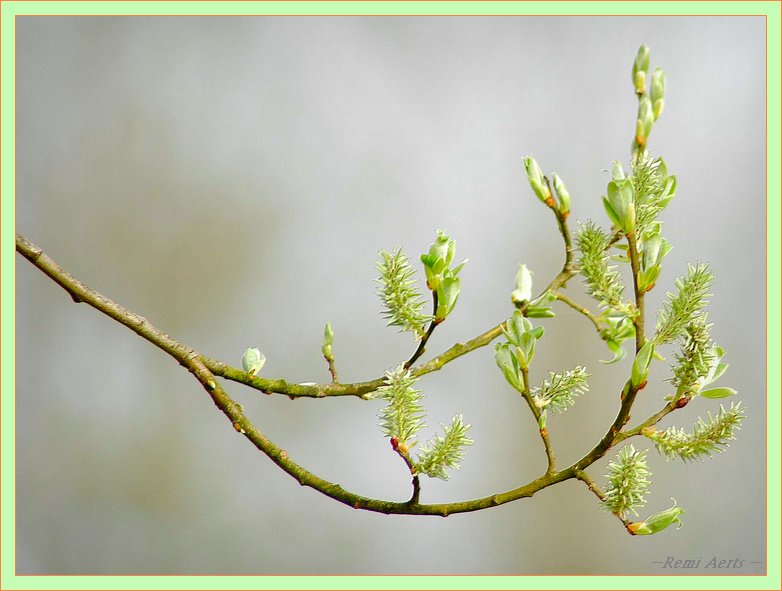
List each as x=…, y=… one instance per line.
x=196, y=364
x=432, y=325
x=579, y=308
x=536, y=412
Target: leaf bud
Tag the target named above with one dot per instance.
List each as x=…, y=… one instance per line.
x=537, y=181
x=523, y=288
x=640, y=67
x=252, y=361
x=562, y=194
x=657, y=92
x=641, y=364
x=643, y=126
x=328, y=340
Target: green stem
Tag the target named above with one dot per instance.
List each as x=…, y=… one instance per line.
x=199, y=366
x=613, y=435
x=638, y=319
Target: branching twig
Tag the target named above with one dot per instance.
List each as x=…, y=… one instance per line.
x=578, y=308
x=205, y=370
x=422, y=344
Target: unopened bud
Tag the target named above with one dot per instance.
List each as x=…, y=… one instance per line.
x=537, y=181
x=643, y=126
x=562, y=194
x=523, y=288
x=252, y=361
x=641, y=364
x=328, y=340
x=657, y=92
x=640, y=67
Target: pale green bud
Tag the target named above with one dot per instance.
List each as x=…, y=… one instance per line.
x=562, y=194
x=641, y=364
x=640, y=67
x=617, y=171
x=523, y=290
x=655, y=247
x=643, y=126
x=252, y=361
x=328, y=340
x=537, y=181
x=657, y=92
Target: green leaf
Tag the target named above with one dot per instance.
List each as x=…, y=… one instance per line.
x=657, y=522
x=527, y=347
x=507, y=362
x=535, y=312
x=641, y=364
x=722, y=392
x=613, y=216
x=618, y=351
x=447, y=294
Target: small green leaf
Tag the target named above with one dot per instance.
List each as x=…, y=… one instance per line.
x=657, y=522
x=618, y=351
x=449, y=291
x=612, y=215
x=535, y=312
x=509, y=365
x=641, y=364
x=722, y=392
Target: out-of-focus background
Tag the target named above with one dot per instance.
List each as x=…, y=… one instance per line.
x=232, y=179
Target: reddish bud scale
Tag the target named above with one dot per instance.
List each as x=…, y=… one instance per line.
x=682, y=402
x=394, y=443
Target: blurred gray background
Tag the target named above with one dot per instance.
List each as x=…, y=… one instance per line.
x=232, y=179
